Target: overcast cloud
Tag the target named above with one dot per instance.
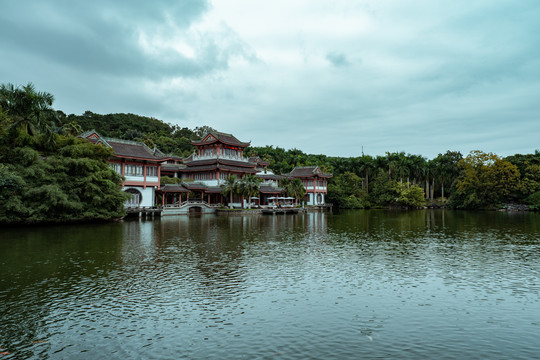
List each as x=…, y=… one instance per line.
x=419, y=76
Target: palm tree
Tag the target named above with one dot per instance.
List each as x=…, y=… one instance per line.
x=286, y=184
x=230, y=187
x=30, y=110
x=294, y=188
x=72, y=129
x=403, y=164
x=298, y=189
x=249, y=186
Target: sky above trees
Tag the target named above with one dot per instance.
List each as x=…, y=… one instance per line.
x=418, y=76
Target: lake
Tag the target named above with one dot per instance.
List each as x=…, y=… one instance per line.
x=427, y=284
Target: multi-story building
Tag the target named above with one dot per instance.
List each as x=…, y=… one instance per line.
x=218, y=155
x=315, y=182
x=137, y=163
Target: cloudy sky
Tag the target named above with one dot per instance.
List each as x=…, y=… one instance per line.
x=330, y=77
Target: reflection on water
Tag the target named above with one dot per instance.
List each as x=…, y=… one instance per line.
x=358, y=284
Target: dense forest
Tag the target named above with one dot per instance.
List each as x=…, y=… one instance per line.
x=47, y=173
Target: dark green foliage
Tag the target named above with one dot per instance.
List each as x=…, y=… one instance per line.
x=119, y=125
x=76, y=184
x=170, y=139
x=46, y=176
x=170, y=180
x=384, y=191
x=533, y=201
x=346, y=191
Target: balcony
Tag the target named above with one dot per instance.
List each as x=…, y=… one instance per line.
x=196, y=157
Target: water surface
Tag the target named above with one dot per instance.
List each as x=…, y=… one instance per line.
x=357, y=284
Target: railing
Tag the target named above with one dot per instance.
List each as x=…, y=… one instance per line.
x=219, y=156
x=187, y=203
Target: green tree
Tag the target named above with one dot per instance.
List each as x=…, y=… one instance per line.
x=345, y=191
x=411, y=196
x=485, y=180
x=30, y=111
x=71, y=183
x=298, y=190
x=230, y=187
x=384, y=190
x=249, y=186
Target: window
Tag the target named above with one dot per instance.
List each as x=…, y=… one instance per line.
x=203, y=176
x=310, y=183
x=135, y=198
x=134, y=170
x=231, y=152
x=151, y=171
x=116, y=167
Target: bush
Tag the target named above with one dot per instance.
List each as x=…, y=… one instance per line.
x=411, y=196
x=533, y=201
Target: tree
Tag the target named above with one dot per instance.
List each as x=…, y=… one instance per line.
x=72, y=183
x=485, y=180
x=345, y=190
x=286, y=184
x=293, y=188
x=445, y=168
x=298, y=190
x=201, y=131
x=249, y=186
x=72, y=129
x=384, y=190
x=230, y=187
x=31, y=111
x=411, y=196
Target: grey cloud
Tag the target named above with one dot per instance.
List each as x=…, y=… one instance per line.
x=337, y=59
x=103, y=37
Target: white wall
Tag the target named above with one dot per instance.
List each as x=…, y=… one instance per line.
x=148, y=195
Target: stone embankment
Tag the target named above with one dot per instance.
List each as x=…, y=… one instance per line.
x=514, y=207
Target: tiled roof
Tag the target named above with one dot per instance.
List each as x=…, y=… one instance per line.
x=270, y=176
x=270, y=189
x=198, y=168
x=257, y=160
x=236, y=168
x=200, y=162
x=173, y=188
x=124, y=148
x=212, y=167
x=195, y=186
x=219, y=161
x=172, y=167
x=308, y=171
x=214, y=190
x=236, y=163
x=224, y=138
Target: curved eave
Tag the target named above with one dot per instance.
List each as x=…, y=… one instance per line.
x=140, y=158
x=211, y=142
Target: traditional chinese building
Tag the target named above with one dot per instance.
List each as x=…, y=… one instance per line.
x=315, y=182
x=137, y=163
x=218, y=155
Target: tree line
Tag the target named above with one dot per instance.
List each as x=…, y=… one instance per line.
x=47, y=173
